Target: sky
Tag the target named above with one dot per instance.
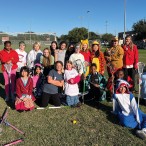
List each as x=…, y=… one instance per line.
x=61, y=16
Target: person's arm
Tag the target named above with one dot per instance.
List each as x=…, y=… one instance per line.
x=135, y=109
x=3, y=58
x=18, y=91
x=15, y=58
x=55, y=82
x=30, y=87
x=135, y=57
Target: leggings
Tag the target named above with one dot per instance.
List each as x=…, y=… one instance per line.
x=54, y=97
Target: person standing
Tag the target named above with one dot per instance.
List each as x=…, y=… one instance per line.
x=22, y=57
x=9, y=59
x=130, y=60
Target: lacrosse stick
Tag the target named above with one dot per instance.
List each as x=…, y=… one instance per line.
x=140, y=71
x=14, y=142
x=81, y=67
x=3, y=120
x=8, y=68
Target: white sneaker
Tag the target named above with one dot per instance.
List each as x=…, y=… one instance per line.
x=141, y=134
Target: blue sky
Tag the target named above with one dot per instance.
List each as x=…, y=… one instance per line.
x=61, y=16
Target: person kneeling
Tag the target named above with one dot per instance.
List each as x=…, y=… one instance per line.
x=125, y=107
x=24, y=87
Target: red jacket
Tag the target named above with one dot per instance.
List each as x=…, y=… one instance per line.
x=6, y=56
x=130, y=56
x=87, y=55
x=21, y=89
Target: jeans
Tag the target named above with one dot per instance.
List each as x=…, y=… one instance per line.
x=72, y=100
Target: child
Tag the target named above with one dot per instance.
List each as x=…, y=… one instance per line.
x=38, y=81
x=34, y=55
x=9, y=59
x=125, y=107
x=96, y=83
x=72, y=79
x=47, y=61
x=143, y=85
x=22, y=57
x=24, y=88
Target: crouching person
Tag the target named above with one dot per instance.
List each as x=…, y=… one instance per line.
x=72, y=78
x=125, y=107
x=96, y=84
x=51, y=89
x=24, y=87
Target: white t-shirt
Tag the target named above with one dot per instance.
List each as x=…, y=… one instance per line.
x=77, y=56
x=22, y=59
x=71, y=89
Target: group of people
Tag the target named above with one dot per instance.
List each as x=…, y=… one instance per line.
x=44, y=76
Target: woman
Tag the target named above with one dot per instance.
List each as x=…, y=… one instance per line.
x=22, y=57
x=53, y=48
x=34, y=55
x=53, y=86
x=24, y=87
x=9, y=59
x=60, y=54
x=97, y=54
x=47, y=61
x=127, y=111
x=130, y=59
x=114, y=57
x=69, y=52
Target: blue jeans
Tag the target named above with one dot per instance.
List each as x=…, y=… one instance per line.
x=72, y=100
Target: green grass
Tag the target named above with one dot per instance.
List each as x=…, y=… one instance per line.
x=96, y=126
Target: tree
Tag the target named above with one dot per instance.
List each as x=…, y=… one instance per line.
x=107, y=37
x=140, y=29
x=78, y=34
x=93, y=36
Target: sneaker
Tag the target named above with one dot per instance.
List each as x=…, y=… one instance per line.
x=141, y=134
x=78, y=104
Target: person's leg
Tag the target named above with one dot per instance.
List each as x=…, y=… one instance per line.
x=6, y=78
x=69, y=100
x=45, y=99
x=76, y=99
x=13, y=83
x=56, y=99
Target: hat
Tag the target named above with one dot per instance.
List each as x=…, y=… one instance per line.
x=115, y=39
x=95, y=43
x=84, y=42
x=125, y=84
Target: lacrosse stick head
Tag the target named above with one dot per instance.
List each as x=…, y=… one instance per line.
x=8, y=67
x=141, y=66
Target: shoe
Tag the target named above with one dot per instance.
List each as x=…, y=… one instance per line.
x=78, y=104
x=141, y=134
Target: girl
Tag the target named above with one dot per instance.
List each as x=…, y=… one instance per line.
x=38, y=81
x=47, y=61
x=72, y=79
x=22, y=57
x=52, y=87
x=69, y=52
x=53, y=48
x=60, y=54
x=125, y=107
x=24, y=87
x=130, y=59
x=97, y=54
x=34, y=55
x=9, y=59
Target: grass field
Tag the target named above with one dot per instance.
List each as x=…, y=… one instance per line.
x=95, y=126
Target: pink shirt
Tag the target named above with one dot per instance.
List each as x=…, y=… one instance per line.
x=35, y=79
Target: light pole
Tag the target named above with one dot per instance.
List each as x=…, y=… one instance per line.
x=124, y=20
x=88, y=24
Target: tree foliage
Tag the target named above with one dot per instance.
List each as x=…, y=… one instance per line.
x=107, y=37
x=140, y=29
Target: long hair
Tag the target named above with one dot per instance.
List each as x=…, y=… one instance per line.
x=47, y=60
x=131, y=43
x=97, y=53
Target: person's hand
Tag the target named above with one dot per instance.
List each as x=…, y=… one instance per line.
x=96, y=85
x=71, y=81
x=9, y=62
